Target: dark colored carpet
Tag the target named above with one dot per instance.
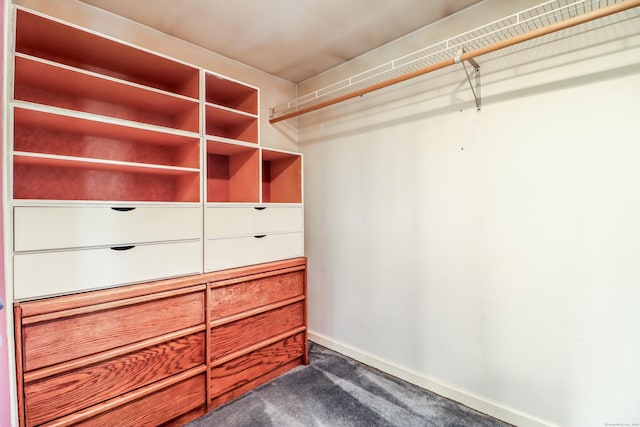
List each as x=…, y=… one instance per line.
x=335, y=391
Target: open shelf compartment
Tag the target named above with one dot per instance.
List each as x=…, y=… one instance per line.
x=80, y=91
x=42, y=178
x=224, y=123
x=66, y=135
x=230, y=94
x=232, y=173
x=281, y=177
x=58, y=42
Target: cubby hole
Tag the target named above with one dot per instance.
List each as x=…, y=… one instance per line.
x=232, y=173
x=47, y=133
x=69, y=89
x=58, y=42
x=53, y=179
x=230, y=94
x=281, y=177
x=231, y=125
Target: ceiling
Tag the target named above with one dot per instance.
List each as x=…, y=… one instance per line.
x=291, y=39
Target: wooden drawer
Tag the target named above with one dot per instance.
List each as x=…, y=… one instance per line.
x=56, y=396
x=221, y=254
x=71, y=334
x=51, y=273
x=42, y=228
x=242, y=221
x=162, y=406
x=259, y=363
x=240, y=297
x=231, y=337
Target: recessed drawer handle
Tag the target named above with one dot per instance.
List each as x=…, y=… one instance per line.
x=259, y=208
x=122, y=248
x=260, y=236
x=122, y=209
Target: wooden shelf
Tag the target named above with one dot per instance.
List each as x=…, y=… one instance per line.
x=222, y=122
x=87, y=92
x=48, y=39
x=230, y=94
x=281, y=177
x=232, y=173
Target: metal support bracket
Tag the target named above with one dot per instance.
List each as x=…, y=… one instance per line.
x=475, y=89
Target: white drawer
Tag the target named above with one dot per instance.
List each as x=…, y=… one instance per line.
x=42, y=228
x=243, y=221
x=51, y=273
x=221, y=254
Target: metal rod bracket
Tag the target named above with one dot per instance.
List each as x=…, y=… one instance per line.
x=475, y=86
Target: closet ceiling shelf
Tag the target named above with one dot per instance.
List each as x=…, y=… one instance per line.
x=543, y=19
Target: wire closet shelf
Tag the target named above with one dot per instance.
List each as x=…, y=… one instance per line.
x=538, y=18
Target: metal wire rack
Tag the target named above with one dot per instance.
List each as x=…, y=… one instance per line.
x=505, y=31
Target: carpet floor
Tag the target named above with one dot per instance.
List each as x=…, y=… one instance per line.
x=335, y=391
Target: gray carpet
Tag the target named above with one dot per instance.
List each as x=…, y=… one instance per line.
x=335, y=391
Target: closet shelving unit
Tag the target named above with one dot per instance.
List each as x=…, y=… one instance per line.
x=543, y=19
x=157, y=257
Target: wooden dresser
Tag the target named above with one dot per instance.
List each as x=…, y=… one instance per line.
x=159, y=353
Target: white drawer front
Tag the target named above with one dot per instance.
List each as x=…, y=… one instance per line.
x=243, y=221
x=52, y=273
x=221, y=254
x=42, y=228
x=278, y=220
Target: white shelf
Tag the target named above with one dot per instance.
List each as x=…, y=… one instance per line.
x=22, y=157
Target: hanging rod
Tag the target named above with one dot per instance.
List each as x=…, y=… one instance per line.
x=548, y=11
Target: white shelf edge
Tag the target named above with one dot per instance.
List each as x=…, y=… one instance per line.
x=231, y=110
x=104, y=162
x=231, y=141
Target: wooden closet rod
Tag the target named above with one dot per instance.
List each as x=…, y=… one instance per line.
x=571, y=22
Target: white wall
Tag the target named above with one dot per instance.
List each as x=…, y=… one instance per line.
x=490, y=256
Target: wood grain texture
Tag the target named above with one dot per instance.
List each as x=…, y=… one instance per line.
x=242, y=333
x=239, y=274
x=155, y=409
x=236, y=298
x=60, y=395
x=56, y=341
x=245, y=369
x=250, y=385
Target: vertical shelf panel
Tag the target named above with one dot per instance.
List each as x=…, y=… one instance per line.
x=281, y=177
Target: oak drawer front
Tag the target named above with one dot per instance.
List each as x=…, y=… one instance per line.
x=242, y=221
x=237, y=372
x=63, y=394
x=240, y=297
x=42, y=228
x=81, y=335
x=230, y=337
x=51, y=273
x=221, y=254
x=155, y=409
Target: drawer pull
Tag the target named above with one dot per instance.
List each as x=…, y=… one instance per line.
x=260, y=236
x=122, y=209
x=122, y=248
x=259, y=208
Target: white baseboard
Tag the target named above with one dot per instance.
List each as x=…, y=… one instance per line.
x=480, y=404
